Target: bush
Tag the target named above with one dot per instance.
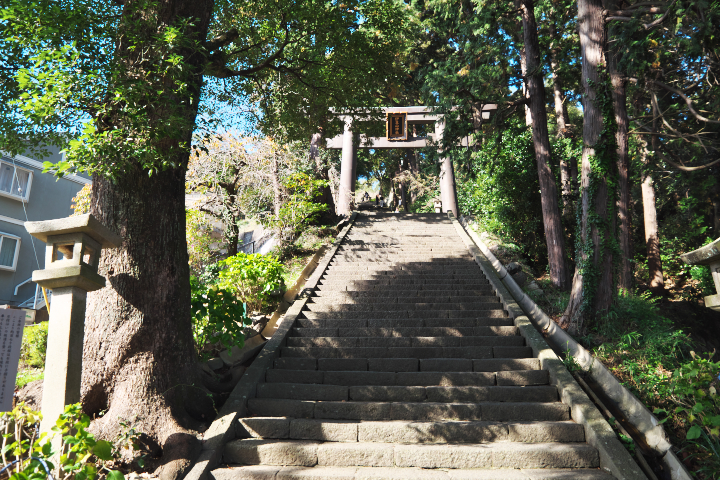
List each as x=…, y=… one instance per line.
x=34, y=345
x=32, y=457
x=693, y=388
x=254, y=278
x=218, y=317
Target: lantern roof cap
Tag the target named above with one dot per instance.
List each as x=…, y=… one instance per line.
x=87, y=224
x=706, y=255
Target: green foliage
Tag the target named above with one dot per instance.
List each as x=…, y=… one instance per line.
x=81, y=201
x=299, y=209
x=643, y=344
x=504, y=193
x=80, y=455
x=199, y=242
x=34, y=345
x=253, y=278
x=693, y=388
x=218, y=317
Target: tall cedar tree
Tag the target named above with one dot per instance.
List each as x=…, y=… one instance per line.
x=554, y=234
x=593, y=280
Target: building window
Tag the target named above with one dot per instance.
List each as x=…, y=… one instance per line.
x=14, y=182
x=9, y=250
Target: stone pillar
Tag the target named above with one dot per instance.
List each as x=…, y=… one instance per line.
x=347, y=169
x=71, y=263
x=63, y=367
x=448, y=194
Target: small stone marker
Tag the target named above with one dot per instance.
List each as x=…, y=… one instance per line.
x=708, y=255
x=12, y=323
x=71, y=263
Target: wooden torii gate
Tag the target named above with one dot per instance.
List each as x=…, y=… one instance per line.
x=398, y=136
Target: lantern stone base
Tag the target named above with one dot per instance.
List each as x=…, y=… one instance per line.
x=80, y=276
x=713, y=302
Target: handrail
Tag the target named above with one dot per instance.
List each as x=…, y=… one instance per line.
x=21, y=284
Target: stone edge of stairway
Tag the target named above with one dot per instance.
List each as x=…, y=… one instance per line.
x=614, y=458
x=223, y=427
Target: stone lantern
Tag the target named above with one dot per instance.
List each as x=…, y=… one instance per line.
x=708, y=255
x=71, y=264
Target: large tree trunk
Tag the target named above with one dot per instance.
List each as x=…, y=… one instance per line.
x=592, y=44
x=554, y=235
x=652, y=240
x=617, y=80
x=321, y=173
x=139, y=362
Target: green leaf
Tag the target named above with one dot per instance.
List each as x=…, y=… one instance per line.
x=694, y=432
x=103, y=450
x=115, y=475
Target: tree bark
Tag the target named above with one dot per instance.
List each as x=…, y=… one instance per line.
x=619, y=95
x=554, y=235
x=321, y=173
x=652, y=240
x=277, y=192
x=562, y=120
x=233, y=238
x=139, y=362
x=593, y=38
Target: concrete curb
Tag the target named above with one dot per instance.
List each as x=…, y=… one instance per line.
x=614, y=458
x=223, y=428
x=634, y=410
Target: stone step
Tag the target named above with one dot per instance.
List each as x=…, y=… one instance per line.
x=369, y=342
x=402, y=270
x=410, y=432
x=405, y=322
x=398, y=393
x=405, y=332
x=463, y=353
x=426, y=411
x=350, y=367
x=428, y=312
x=391, y=307
x=391, y=373
x=342, y=454
x=397, y=259
x=419, y=297
x=409, y=289
x=403, y=275
x=404, y=292
x=405, y=252
x=266, y=472
x=403, y=283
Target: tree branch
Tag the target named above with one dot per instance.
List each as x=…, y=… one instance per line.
x=222, y=40
x=687, y=101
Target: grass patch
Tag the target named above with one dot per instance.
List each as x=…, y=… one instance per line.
x=27, y=375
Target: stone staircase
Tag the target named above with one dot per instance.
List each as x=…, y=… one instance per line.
x=404, y=365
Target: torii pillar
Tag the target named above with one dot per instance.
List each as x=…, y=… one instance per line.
x=448, y=191
x=348, y=169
